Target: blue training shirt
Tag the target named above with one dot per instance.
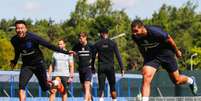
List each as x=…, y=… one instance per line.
x=154, y=42
x=28, y=48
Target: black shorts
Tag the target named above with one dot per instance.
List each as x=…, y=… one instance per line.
x=166, y=59
x=27, y=72
x=106, y=71
x=85, y=75
x=64, y=81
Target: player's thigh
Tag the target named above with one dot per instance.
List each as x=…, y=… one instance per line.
x=40, y=73
x=25, y=75
x=64, y=81
x=111, y=76
x=148, y=72
x=101, y=80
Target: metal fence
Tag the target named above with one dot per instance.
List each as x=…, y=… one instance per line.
x=125, y=86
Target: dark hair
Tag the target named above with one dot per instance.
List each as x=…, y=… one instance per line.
x=137, y=22
x=83, y=34
x=103, y=30
x=20, y=22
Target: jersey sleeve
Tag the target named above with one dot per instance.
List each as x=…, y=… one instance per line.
x=70, y=60
x=159, y=33
x=116, y=50
x=94, y=51
x=17, y=52
x=53, y=59
x=48, y=45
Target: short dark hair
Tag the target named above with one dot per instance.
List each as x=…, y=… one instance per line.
x=20, y=22
x=103, y=30
x=84, y=34
x=137, y=22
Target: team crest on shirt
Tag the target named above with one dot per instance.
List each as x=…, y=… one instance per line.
x=24, y=51
x=146, y=42
x=83, y=49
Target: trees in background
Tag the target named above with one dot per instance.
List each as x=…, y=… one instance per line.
x=183, y=24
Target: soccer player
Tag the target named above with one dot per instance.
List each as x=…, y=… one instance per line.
x=63, y=67
x=84, y=54
x=106, y=49
x=158, y=48
x=26, y=44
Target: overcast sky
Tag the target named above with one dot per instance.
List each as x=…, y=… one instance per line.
x=59, y=10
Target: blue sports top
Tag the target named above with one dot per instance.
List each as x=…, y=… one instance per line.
x=106, y=50
x=28, y=48
x=154, y=42
x=84, y=53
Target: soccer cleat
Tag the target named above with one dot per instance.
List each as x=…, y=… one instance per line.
x=194, y=86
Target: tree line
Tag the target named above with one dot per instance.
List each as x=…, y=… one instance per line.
x=183, y=24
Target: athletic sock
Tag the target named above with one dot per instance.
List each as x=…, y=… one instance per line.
x=114, y=99
x=145, y=98
x=190, y=80
x=101, y=99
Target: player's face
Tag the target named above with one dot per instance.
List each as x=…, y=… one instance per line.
x=104, y=35
x=82, y=39
x=21, y=30
x=61, y=44
x=137, y=30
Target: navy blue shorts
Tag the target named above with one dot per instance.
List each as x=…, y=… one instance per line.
x=27, y=72
x=85, y=75
x=106, y=71
x=166, y=59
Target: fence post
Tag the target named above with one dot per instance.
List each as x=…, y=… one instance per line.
x=129, y=87
x=11, y=86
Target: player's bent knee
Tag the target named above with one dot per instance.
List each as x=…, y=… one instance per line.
x=177, y=81
x=147, y=78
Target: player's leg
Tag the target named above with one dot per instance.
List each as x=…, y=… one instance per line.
x=64, y=81
x=170, y=64
x=148, y=74
x=41, y=75
x=112, y=81
x=52, y=94
x=101, y=83
x=53, y=91
x=87, y=85
x=25, y=76
x=182, y=79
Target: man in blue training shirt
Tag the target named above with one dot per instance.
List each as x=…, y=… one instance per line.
x=106, y=49
x=26, y=45
x=158, y=48
x=84, y=50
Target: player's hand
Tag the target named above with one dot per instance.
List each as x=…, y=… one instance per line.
x=70, y=80
x=178, y=53
x=72, y=53
x=122, y=72
x=12, y=64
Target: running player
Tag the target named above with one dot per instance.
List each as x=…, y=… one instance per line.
x=63, y=67
x=26, y=45
x=106, y=49
x=158, y=48
x=84, y=53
